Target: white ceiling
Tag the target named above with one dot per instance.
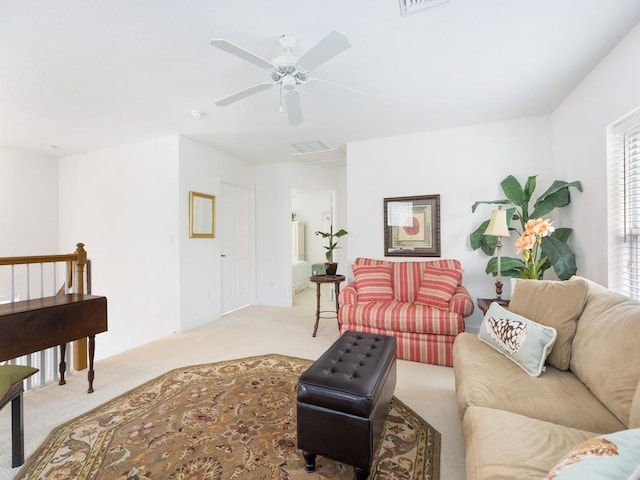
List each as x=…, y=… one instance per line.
x=85, y=75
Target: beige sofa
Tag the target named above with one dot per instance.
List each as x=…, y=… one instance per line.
x=518, y=426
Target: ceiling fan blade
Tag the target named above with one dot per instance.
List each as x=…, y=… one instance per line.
x=324, y=50
x=240, y=52
x=294, y=109
x=335, y=89
x=244, y=93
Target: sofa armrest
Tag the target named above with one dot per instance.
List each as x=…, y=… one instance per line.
x=461, y=302
x=348, y=295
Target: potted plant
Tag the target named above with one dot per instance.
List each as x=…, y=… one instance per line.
x=542, y=245
x=330, y=266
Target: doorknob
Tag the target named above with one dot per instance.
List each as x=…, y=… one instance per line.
x=223, y=255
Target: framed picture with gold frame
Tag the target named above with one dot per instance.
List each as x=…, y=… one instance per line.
x=412, y=226
x=202, y=215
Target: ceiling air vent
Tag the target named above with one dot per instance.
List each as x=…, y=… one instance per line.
x=412, y=6
x=316, y=152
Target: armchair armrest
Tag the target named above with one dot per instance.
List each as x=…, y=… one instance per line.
x=348, y=295
x=461, y=302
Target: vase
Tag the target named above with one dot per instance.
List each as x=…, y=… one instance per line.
x=330, y=268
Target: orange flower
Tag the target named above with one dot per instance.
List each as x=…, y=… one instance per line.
x=525, y=242
x=530, y=245
x=539, y=227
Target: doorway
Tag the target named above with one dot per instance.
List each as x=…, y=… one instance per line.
x=236, y=246
x=311, y=210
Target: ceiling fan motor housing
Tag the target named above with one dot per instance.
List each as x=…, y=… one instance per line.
x=287, y=72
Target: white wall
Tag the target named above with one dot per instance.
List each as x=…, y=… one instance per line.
x=274, y=183
x=123, y=204
x=130, y=206
x=462, y=165
x=29, y=205
x=202, y=168
x=579, y=147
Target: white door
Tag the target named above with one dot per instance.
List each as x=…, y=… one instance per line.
x=236, y=237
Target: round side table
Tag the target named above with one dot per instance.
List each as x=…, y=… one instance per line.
x=484, y=303
x=319, y=280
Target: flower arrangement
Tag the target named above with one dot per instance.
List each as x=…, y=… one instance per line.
x=547, y=248
x=530, y=245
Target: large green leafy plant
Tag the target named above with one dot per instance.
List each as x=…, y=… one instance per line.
x=556, y=253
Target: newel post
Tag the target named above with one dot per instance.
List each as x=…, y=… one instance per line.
x=80, y=360
x=80, y=265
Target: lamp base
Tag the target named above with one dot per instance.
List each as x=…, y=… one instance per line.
x=498, y=290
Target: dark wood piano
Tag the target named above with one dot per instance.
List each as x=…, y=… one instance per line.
x=33, y=325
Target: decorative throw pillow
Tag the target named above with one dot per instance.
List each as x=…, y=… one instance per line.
x=373, y=283
x=555, y=304
x=614, y=455
x=12, y=374
x=521, y=340
x=438, y=286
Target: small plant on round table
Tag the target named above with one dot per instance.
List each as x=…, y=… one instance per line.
x=330, y=266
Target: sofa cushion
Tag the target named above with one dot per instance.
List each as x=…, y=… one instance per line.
x=486, y=378
x=553, y=303
x=416, y=347
x=519, y=339
x=615, y=455
x=407, y=276
x=502, y=445
x=605, y=349
x=373, y=283
x=402, y=317
x=438, y=286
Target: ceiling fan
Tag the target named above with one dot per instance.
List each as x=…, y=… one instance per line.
x=288, y=71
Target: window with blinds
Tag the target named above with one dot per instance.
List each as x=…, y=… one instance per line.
x=624, y=206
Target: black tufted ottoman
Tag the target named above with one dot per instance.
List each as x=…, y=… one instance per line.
x=343, y=399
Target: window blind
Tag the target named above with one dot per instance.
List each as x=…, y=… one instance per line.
x=624, y=207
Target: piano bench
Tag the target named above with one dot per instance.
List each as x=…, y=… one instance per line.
x=11, y=377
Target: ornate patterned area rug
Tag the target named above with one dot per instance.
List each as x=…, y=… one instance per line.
x=219, y=421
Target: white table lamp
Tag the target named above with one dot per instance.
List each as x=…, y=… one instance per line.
x=498, y=228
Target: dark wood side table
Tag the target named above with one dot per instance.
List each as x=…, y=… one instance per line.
x=319, y=280
x=32, y=325
x=483, y=303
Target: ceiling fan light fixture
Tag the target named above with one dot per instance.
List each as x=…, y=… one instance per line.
x=289, y=83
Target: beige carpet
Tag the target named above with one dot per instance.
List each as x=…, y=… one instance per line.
x=427, y=389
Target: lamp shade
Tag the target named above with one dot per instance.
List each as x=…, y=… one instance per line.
x=498, y=224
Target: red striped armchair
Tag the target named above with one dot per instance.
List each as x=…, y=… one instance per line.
x=422, y=304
